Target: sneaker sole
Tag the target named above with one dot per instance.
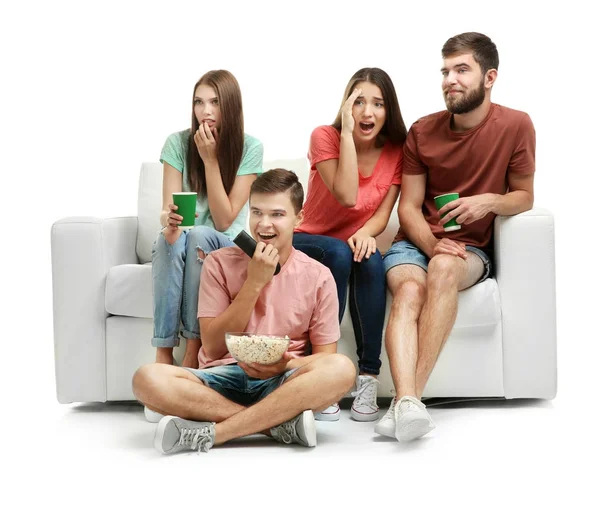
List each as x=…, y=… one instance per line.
x=310, y=430
x=357, y=416
x=387, y=431
x=413, y=430
x=327, y=417
x=160, y=432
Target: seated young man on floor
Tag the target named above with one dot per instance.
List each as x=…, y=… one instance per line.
x=225, y=399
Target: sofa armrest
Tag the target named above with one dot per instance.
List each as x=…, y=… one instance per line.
x=525, y=272
x=83, y=250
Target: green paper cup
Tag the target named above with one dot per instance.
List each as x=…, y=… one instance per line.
x=440, y=201
x=186, y=207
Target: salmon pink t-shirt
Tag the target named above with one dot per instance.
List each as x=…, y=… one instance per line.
x=300, y=301
x=323, y=214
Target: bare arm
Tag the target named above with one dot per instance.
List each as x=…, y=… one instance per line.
x=519, y=198
x=224, y=208
x=410, y=213
x=341, y=175
x=172, y=182
x=378, y=222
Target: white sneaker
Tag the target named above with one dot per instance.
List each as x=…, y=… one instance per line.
x=364, y=407
x=386, y=426
x=412, y=419
x=152, y=416
x=329, y=414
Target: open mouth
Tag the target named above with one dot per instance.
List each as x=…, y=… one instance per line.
x=367, y=127
x=266, y=237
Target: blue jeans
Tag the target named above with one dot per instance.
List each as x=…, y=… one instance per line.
x=367, y=292
x=176, y=280
x=232, y=383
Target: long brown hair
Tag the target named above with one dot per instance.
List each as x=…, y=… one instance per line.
x=231, y=132
x=394, y=129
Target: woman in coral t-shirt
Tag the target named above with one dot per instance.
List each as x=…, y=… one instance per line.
x=356, y=166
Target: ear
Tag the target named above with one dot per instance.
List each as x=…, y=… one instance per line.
x=490, y=78
x=299, y=218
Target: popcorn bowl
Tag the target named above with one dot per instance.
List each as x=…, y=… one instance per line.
x=253, y=347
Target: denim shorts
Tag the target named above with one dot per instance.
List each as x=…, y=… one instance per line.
x=404, y=252
x=233, y=383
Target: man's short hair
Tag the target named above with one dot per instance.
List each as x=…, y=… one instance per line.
x=279, y=180
x=484, y=51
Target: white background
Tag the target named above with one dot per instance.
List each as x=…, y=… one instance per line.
x=91, y=90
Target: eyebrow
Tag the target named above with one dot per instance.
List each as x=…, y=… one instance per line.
x=272, y=210
x=461, y=65
x=376, y=98
x=200, y=99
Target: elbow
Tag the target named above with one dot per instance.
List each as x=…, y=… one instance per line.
x=222, y=226
x=346, y=201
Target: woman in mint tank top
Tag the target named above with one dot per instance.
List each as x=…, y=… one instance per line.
x=216, y=159
x=355, y=175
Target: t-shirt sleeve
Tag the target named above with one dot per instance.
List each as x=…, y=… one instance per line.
x=252, y=157
x=213, y=297
x=173, y=151
x=324, y=145
x=324, y=327
x=412, y=163
x=522, y=161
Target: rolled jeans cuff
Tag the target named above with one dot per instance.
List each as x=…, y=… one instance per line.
x=190, y=334
x=171, y=342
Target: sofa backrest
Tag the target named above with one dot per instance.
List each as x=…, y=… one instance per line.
x=150, y=203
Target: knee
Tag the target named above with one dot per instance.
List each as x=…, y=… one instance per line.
x=409, y=297
x=442, y=271
x=146, y=379
x=338, y=256
x=198, y=239
x=341, y=369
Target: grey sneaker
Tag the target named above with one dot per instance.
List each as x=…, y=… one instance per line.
x=412, y=419
x=301, y=429
x=386, y=426
x=174, y=434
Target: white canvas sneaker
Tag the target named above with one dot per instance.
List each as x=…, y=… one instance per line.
x=386, y=426
x=364, y=406
x=329, y=414
x=412, y=419
x=152, y=416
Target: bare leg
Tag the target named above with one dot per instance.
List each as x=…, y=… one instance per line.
x=175, y=391
x=164, y=355
x=407, y=284
x=314, y=386
x=447, y=275
x=190, y=359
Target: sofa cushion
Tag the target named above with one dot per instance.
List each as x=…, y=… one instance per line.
x=149, y=206
x=129, y=293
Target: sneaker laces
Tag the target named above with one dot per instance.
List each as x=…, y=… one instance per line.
x=390, y=413
x=366, y=395
x=409, y=404
x=196, y=438
x=285, y=432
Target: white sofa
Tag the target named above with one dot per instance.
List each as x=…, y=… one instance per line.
x=503, y=343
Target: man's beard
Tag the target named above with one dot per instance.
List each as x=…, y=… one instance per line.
x=468, y=102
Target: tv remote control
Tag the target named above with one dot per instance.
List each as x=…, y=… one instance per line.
x=248, y=244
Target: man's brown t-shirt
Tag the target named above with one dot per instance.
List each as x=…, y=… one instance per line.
x=473, y=162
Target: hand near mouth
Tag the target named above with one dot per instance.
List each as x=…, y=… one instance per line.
x=206, y=142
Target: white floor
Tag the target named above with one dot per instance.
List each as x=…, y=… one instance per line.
x=486, y=463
